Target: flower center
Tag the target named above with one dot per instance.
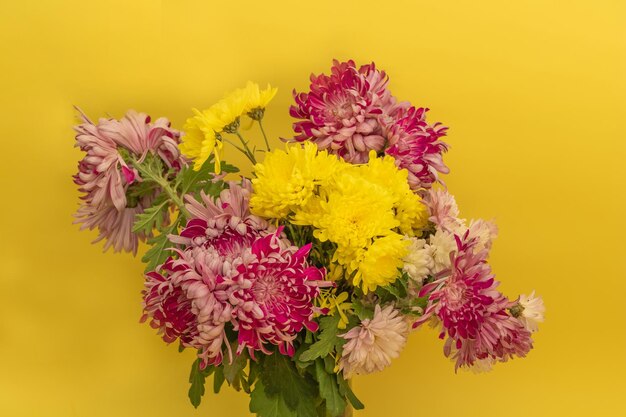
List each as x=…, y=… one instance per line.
x=267, y=290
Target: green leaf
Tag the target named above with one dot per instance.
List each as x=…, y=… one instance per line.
x=159, y=251
x=188, y=178
x=327, y=340
x=329, y=390
x=197, y=378
x=218, y=379
x=346, y=391
x=234, y=372
x=362, y=311
x=264, y=405
x=280, y=377
x=148, y=220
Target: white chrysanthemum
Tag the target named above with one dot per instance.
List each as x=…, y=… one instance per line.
x=485, y=230
x=371, y=345
x=440, y=245
x=533, y=311
x=419, y=262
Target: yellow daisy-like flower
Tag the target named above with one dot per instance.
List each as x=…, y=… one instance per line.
x=351, y=213
x=199, y=143
x=286, y=179
x=257, y=98
x=411, y=212
x=202, y=131
x=379, y=263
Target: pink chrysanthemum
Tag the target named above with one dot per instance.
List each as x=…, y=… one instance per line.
x=233, y=269
x=443, y=210
x=265, y=292
x=106, y=178
x=416, y=146
x=225, y=223
x=472, y=312
x=186, y=299
x=342, y=112
x=372, y=344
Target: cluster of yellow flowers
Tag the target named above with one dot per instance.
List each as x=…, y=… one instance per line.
x=367, y=210
x=203, y=130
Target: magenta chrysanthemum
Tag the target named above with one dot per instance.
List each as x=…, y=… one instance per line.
x=416, y=146
x=473, y=314
x=106, y=178
x=342, y=112
x=272, y=294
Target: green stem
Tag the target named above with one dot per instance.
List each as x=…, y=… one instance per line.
x=267, y=144
x=165, y=185
x=249, y=153
x=174, y=197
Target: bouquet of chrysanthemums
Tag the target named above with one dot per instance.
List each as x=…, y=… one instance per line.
x=318, y=266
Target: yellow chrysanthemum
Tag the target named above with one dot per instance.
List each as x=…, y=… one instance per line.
x=378, y=265
x=286, y=179
x=257, y=98
x=198, y=144
x=202, y=131
x=411, y=213
x=351, y=213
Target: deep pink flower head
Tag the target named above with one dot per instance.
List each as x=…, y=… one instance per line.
x=342, y=112
x=272, y=295
x=106, y=179
x=232, y=270
x=473, y=314
x=416, y=146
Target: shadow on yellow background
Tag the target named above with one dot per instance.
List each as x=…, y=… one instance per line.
x=534, y=93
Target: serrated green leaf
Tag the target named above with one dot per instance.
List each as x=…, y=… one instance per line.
x=280, y=377
x=218, y=379
x=346, y=391
x=362, y=311
x=329, y=390
x=159, y=250
x=147, y=221
x=234, y=372
x=264, y=405
x=327, y=339
x=196, y=378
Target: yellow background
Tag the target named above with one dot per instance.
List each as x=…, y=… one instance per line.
x=534, y=93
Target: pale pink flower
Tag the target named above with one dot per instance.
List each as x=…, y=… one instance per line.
x=106, y=179
x=416, y=146
x=373, y=343
x=343, y=111
x=443, y=210
x=473, y=314
x=186, y=299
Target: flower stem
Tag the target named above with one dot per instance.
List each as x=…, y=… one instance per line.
x=249, y=153
x=267, y=144
x=174, y=197
x=157, y=177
